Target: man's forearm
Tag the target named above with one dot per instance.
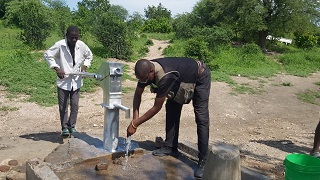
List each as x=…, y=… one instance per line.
x=136, y=106
x=151, y=112
x=148, y=115
x=136, y=103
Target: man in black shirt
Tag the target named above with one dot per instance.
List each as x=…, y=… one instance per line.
x=316, y=142
x=180, y=80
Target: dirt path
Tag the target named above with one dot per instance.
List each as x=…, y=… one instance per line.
x=266, y=126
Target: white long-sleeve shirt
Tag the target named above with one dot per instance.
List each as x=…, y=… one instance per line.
x=59, y=56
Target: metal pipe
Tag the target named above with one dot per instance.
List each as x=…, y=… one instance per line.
x=123, y=108
x=111, y=130
x=86, y=74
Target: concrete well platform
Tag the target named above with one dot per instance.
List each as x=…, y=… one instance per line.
x=82, y=157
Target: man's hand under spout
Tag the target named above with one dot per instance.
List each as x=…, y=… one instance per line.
x=131, y=129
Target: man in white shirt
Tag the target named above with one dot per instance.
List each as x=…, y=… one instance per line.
x=68, y=57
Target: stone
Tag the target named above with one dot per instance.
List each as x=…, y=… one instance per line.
x=38, y=170
x=101, y=166
x=14, y=175
x=117, y=161
x=4, y=168
x=13, y=163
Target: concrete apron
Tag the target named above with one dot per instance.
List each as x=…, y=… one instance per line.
x=82, y=157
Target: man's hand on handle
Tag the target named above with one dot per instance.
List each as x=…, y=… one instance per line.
x=84, y=69
x=60, y=73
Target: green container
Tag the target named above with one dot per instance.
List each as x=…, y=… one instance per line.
x=301, y=167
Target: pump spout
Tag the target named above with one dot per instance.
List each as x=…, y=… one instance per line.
x=125, y=109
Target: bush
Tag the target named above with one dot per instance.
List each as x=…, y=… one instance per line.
x=197, y=48
x=157, y=26
x=306, y=41
x=149, y=42
x=214, y=36
x=182, y=26
x=250, y=55
x=114, y=35
x=251, y=48
x=32, y=18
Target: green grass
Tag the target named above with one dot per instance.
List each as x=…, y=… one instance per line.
x=234, y=62
x=175, y=49
x=23, y=71
x=247, y=89
x=310, y=96
x=8, y=108
x=160, y=36
x=301, y=63
x=140, y=48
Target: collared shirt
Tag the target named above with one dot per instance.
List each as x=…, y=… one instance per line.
x=59, y=56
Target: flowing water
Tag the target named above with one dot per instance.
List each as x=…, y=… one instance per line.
x=128, y=146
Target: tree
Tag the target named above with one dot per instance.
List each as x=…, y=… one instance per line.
x=158, y=12
x=113, y=33
x=12, y=16
x=135, y=22
x=95, y=5
x=3, y=7
x=158, y=19
x=182, y=25
x=157, y=26
x=89, y=12
x=61, y=16
x=118, y=11
x=31, y=16
x=258, y=18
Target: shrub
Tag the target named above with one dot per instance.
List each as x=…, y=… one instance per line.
x=182, y=26
x=306, y=40
x=32, y=18
x=251, y=48
x=214, y=36
x=197, y=48
x=113, y=33
x=149, y=42
x=157, y=26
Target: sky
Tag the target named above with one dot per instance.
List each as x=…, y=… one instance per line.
x=175, y=6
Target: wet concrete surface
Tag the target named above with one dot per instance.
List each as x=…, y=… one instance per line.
x=76, y=159
x=138, y=167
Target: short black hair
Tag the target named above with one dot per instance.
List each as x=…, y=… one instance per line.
x=142, y=67
x=73, y=29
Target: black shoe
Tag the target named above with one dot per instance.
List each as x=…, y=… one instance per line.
x=73, y=130
x=65, y=132
x=200, y=168
x=165, y=151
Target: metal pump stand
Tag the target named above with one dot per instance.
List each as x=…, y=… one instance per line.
x=109, y=75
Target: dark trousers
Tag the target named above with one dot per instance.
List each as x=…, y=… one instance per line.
x=63, y=99
x=200, y=103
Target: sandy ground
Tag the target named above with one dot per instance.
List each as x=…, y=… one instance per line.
x=265, y=126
